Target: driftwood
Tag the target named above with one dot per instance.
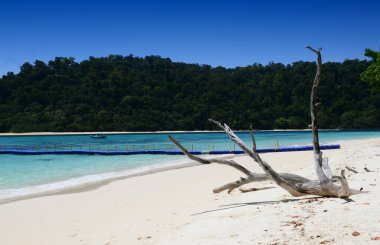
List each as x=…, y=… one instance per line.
x=296, y=185
x=250, y=176
x=351, y=169
x=254, y=189
x=367, y=170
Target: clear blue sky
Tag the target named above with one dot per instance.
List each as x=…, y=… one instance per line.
x=227, y=33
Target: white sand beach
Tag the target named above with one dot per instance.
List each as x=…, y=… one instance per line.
x=178, y=207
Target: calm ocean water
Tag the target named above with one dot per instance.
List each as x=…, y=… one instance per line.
x=32, y=174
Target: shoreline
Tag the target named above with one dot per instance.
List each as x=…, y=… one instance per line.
x=97, y=183
x=121, y=175
x=178, y=207
x=94, y=184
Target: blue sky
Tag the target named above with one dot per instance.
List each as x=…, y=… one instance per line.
x=226, y=33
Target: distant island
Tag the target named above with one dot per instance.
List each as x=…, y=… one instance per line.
x=127, y=93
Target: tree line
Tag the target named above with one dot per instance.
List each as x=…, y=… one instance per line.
x=127, y=93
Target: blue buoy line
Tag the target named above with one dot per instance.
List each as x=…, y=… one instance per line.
x=159, y=152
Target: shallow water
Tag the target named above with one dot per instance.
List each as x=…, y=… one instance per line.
x=26, y=174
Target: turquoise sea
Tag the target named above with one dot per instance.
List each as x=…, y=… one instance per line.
x=34, y=174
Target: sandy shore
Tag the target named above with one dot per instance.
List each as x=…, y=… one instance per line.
x=178, y=207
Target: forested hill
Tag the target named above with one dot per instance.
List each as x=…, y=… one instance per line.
x=152, y=93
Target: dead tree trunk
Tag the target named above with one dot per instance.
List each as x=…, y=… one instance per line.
x=296, y=185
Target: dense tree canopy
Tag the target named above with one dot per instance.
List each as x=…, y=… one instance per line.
x=372, y=74
x=153, y=93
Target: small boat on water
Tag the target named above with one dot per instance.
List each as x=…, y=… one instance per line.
x=98, y=136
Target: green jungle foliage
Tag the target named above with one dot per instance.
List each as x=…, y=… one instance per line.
x=372, y=74
x=152, y=93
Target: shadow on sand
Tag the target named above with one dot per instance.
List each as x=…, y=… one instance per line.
x=243, y=204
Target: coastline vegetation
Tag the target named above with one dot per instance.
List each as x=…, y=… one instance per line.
x=127, y=93
x=372, y=74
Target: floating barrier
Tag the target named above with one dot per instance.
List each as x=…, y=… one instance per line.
x=281, y=149
x=158, y=152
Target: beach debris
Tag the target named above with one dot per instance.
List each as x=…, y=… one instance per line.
x=367, y=170
x=356, y=233
x=297, y=224
x=247, y=189
x=311, y=200
x=352, y=170
x=254, y=189
x=294, y=184
x=325, y=241
x=147, y=237
x=294, y=223
x=375, y=238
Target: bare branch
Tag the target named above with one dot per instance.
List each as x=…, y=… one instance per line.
x=326, y=167
x=252, y=138
x=233, y=185
x=215, y=160
x=345, y=189
x=315, y=51
x=254, y=189
x=352, y=170
x=321, y=165
x=293, y=189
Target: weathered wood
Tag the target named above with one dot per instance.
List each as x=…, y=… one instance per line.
x=251, y=177
x=211, y=160
x=321, y=164
x=254, y=189
x=233, y=185
x=293, y=189
x=352, y=170
x=296, y=185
